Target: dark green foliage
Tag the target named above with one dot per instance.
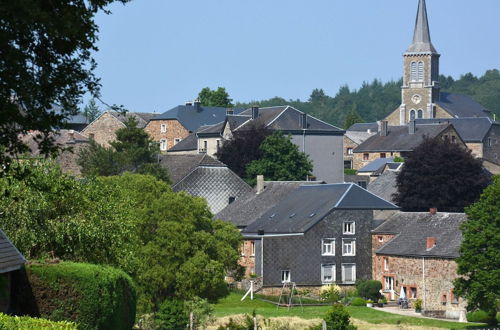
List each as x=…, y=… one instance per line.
x=358, y=302
x=479, y=261
x=171, y=315
x=46, y=59
x=350, y=171
x=337, y=318
x=91, y=111
x=243, y=148
x=352, y=118
x=280, y=160
x=374, y=101
x=133, y=151
x=480, y=316
x=369, y=289
x=440, y=174
x=398, y=159
x=95, y=297
x=214, y=98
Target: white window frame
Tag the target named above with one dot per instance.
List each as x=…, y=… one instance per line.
x=353, y=247
x=353, y=227
x=386, y=263
x=420, y=71
x=252, y=248
x=413, y=71
x=163, y=128
x=331, y=242
x=163, y=144
x=332, y=280
x=286, y=276
x=350, y=151
x=177, y=140
x=353, y=273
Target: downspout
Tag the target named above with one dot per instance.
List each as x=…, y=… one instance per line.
x=304, y=140
x=423, y=283
x=262, y=259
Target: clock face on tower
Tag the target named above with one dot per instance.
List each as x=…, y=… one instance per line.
x=416, y=99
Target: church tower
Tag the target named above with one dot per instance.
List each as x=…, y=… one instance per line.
x=420, y=88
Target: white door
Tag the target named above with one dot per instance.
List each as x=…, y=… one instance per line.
x=389, y=285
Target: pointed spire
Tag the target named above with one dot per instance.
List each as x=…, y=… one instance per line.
x=422, y=36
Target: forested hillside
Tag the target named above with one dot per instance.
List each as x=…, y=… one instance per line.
x=375, y=100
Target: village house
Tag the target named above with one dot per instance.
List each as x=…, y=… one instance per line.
x=251, y=206
x=11, y=260
x=174, y=125
x=321, y=141
x=204, y=176
x=103, y=129
x=399, y=141
x=353, y=137
x=415, y=252
x=316, y=235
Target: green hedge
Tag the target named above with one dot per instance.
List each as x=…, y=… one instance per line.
x=358, y=302
x=94, y=296
x=480, y=316
x=26, y=322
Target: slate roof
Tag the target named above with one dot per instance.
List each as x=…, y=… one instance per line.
x=304, y=207
x=461, y=106
x=251, y=206
x=421, y=35
x=142, y=118
x=189, y=143
x=398, y=138
x=363, y=127
x=62, y=138
x=384, y=186
x=10, y=257
x=376, y=165
x=358, y=137
x=193, y=117
x=412, y=230
x=179, y=166
x=469, y=129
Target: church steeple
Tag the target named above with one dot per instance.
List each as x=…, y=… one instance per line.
x=421, y=36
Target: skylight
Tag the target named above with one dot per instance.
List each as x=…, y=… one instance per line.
x=292, y=215
x=312, y=214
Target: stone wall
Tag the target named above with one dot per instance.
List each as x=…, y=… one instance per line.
x=476, y=149
x=360, y=162
x=349, y=144
x=247, y=258
x=492, y=145
x=175, y=130
x=102, y=130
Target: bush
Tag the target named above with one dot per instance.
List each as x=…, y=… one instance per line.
x=358, y=302
x=418, y=304
x=95, y=297
x=350, y=171
x=480, y=316
x=330, y=293
x=369, y=289
x=171, y=315
x=26, y=322
x=337, y=318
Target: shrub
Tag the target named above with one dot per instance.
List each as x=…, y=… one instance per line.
x=330, y=293
x=95, y=297
x=26, y=322
x=398, y=159
x=350, y=171
x=337, y=318
x=418, y=304
x=479, y=316
x=358, y=302
x=171, y=315
x=369, y=289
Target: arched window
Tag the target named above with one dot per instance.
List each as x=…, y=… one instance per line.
x=412, y=114
x=420, y=114
x=420, y=71
x=413, y=76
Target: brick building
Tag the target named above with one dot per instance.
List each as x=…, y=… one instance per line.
x=415, y=252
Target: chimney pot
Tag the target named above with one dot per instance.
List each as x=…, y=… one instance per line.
x=433, y=210
x=430, y=242
x=229, y=112
x=188, y=103
x=197, y=105
x=260, y=184
x=255, y=112
x=71, y=134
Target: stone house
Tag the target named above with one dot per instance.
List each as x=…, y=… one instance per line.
x=176, y=124
x=399, y=141
x=415, y=251
x=353, y=137
x=203, y=176
x=420, y=94
x=316, y=235
x=102, y=129
x=321, y=141
x=250, y=206
x=11, y=260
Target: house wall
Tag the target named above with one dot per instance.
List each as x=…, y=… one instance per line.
x=302, y=255
x=247, y=258
x=491, y=152
x=348, y=143
x=212, y=148
x=476, y=149
x=326, y=153
x=68, y=158
x=102, y=130
x=359, y=162
x=175, y=130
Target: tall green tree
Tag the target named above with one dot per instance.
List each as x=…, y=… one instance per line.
x=281, y=160
x=91, y=111
x=215, y=98
x=479, y=261
x=132, y=151
x=46, y=59
x=352, y=118
x=441, y=174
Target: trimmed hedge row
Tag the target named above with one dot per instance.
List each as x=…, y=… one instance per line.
x=94, y=296
x=26, y=322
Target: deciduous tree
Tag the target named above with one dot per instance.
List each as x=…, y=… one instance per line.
x=215, y=98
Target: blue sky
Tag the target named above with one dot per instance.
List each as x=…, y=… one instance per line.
x=156, y=54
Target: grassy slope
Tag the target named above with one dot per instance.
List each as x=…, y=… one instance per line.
x=232, y=305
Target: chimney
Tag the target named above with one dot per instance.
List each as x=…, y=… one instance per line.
x=303, y=121
x=412, y=127
x=382, y=127
x=197, y=105
x=260, y=184
x=229, y=112
x=430, y=243
x=255, y=112
x=71, y=134
x=433, y=210
x=368, y=131
x=188, y=103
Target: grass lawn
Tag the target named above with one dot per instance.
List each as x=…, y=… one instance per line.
x=232, y=305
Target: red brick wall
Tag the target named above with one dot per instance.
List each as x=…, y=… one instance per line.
x=247, y=258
